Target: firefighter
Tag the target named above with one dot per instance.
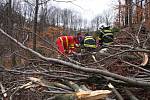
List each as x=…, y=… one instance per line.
x=67, y=44
x=105, y=36
x=88, y=43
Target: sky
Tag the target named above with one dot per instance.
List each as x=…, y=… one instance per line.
x=88, y=8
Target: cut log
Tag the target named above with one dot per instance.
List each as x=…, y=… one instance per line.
x=81, y=94
x=84, y=95
x=88, y=94
x=93, y=95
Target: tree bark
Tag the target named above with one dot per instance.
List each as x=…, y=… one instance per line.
x=126, y=13
x=119, y=11
x=130, y=13
x=35, y=25
x=10, y=31
x=131, y=96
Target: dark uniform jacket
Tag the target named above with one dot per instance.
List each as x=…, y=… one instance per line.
x=105, y=36
x=88, y=43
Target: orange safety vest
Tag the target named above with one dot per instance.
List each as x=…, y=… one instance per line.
x=67, y=42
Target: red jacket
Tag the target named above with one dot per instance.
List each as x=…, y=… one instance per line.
x=66, y=44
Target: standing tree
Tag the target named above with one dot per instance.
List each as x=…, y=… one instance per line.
x=130, y=13
x=35, y=24
x=10, y=30
x=97, y=21
x=126, y=12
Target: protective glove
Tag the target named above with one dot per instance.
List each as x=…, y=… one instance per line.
x=104, y=50
x=77, y=45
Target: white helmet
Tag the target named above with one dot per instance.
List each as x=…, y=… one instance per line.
x=103, y=25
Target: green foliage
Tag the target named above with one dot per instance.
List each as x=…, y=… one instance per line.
x=64, y=33
x=115, y=29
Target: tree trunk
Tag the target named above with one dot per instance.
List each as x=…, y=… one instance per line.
x=146, y=10
x=141, y=17
x=35, y=25
x=137, y=12
x=10, y=31
x=126, y=13
x=119, y=11
x=130, y=13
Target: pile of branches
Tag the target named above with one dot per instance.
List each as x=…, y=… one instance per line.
x=120, y=73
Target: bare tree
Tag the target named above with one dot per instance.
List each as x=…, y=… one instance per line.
x=35, y=24
x=43, y=18
x=65, y=18
x=97, y=21
x=119, y=13
x=76, y=21
x=58, y=16
x=107, y=17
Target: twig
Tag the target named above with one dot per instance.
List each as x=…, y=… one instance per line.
x=25, y=39
x=19, y=88
x=108, y=57
x=3, y=90
x=76, y=74
x=44, y=74
x=131, y=96
x=57, y=92
x=138, y=67
x=115, y=91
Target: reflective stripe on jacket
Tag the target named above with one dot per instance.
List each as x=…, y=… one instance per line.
x=89, y=41
x=107, y=31
x=67, y=41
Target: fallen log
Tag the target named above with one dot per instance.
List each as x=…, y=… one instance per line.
x=87, y=94
x=93, y=95
x=79, y=93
